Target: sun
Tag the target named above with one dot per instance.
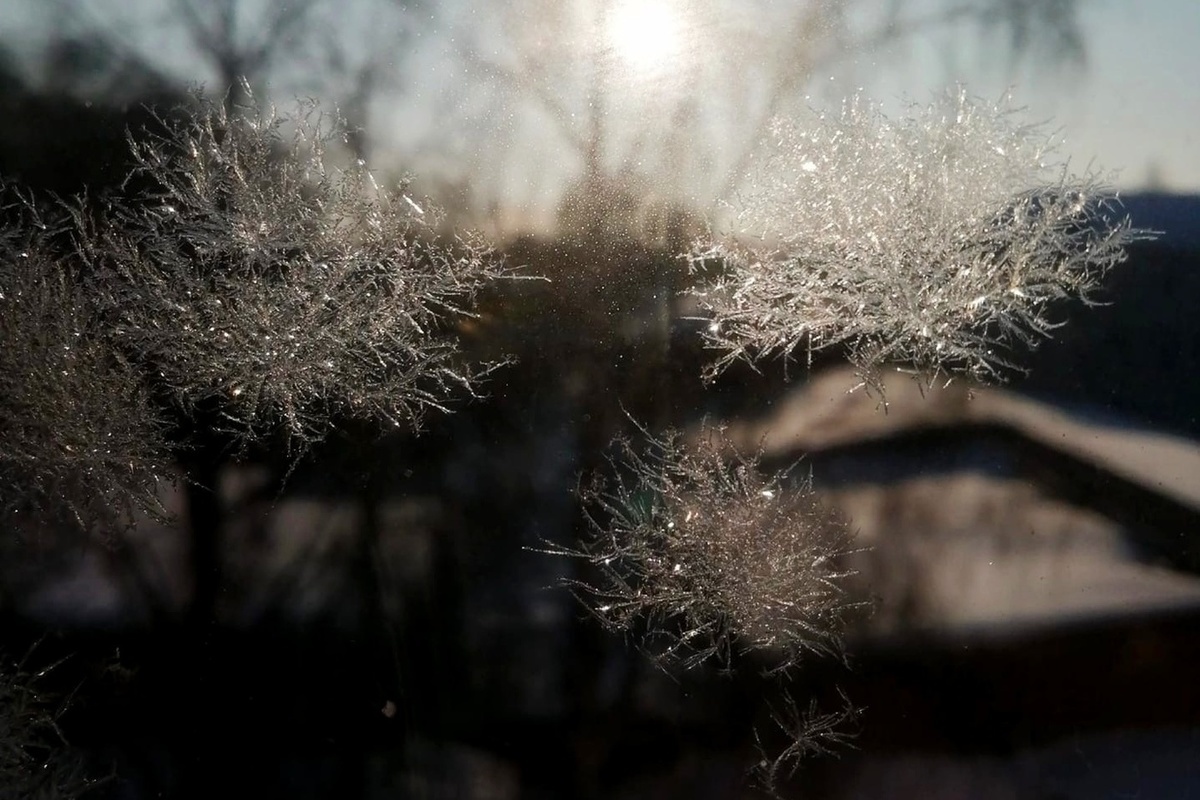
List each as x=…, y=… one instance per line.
x=645, y=35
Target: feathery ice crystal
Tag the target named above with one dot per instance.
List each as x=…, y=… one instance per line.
x=936, y=240
x=712, y=555
x=82, y=441
x=288, y=290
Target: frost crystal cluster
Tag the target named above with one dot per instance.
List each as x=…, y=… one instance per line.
x=34, y=761
x=935, y=240
x=285, y=290
x=240, y=276
x=82, y=443
x=713, y=557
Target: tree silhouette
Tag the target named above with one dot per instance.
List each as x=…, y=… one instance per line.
x=690, y=125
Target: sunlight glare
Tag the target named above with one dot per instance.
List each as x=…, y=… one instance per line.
x=645, y=35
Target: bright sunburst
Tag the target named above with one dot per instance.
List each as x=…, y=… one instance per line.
x=646, y=35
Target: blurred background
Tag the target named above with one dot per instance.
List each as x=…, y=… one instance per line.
x=379, y=620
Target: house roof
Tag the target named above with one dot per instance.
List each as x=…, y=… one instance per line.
x=1074, y=520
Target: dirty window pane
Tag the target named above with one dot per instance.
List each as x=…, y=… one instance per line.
x=599, y=398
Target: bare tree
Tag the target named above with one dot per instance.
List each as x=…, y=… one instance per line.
x=240, y=51
x=345, y=52
x=361, y=59
x=685, y=105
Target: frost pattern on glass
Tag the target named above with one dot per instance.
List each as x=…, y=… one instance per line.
x=936, y=240
x=289, y=292
x=712, y=557
x=35, y=761
x=809, y=731
x=82, y=443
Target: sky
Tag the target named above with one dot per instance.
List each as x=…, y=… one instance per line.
x=1131, y=110
x=1133, y=107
